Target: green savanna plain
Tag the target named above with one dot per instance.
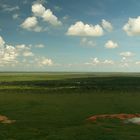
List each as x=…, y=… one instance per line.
x=55, y=106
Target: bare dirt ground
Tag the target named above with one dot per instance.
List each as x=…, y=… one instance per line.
x=115, y=116
x=6, y=120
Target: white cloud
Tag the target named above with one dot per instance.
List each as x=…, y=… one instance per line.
x=51, y=18
x=2, y=42
x=38, y=9
x=137, y=62
x=28, y=53
x=46, y=62
x=43, y=61
x=31, y=24
x=66, y=17
x=15, y=16
x=125, y=65
x=108, y=62
x=47, y=15
x=126, y=54
x=24, y=50
x=39, y=29
x=111, y=45
x=10, y=53
x=107, y=25
x=132, y=27
x=81, y=29
x=22, y=47
x=9, y=8
x=124, y=58
x=95, y=61
x=87, y=43
x=40, y=46
x=19, y=55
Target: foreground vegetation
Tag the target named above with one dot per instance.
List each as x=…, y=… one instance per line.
x=55, y=106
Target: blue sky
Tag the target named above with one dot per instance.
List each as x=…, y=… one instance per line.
x=69, y=35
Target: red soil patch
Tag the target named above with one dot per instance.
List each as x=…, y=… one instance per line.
x=113, y=116
x=4, y=119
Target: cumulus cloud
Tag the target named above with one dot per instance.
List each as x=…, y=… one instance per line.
x=39, y=29
x=43, y=61
x=81, y=29
x=47, y=15
x=19, y=54
x=87, y=43
x=2, y=42
x=111, y=44
x=132, y=27
x=46, y=62
x=22, y=47
x=126, y=59
x=107, y=25
x=40, y=46
x=95, y=61
x=126, y=54
x=38, y=9
x=9, y=53
x=24, y=50
x=31, y=24
x=108, y=62
x=28, y=53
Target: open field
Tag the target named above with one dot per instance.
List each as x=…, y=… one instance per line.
x=56, y=106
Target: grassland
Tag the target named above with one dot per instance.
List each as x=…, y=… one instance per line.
x=55, y=106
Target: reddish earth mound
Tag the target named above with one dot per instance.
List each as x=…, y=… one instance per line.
x=4, y=119
x=112, y=116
